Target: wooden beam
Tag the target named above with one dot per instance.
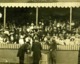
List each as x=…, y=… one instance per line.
x=70, y=17
x=36, y=16
x=4, y=18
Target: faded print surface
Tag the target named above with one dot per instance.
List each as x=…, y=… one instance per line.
x=42, y=1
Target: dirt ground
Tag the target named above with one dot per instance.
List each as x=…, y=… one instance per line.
x=63, y=57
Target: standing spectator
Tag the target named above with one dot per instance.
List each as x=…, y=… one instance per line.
x=11, y=37
x=6, y=35
x=36, y=48
x=16, y=36
x=21, y=52
x=52, y=49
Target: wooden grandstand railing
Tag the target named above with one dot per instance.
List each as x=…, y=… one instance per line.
x=44, y=46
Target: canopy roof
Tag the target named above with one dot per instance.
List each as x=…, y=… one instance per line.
x=57, y=4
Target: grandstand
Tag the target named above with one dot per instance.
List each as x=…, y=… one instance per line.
x=59, y=22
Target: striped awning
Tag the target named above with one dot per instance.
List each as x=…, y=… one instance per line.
x=50, y=5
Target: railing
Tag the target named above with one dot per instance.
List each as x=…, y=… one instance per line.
x=44, y=46
x=68, y=47
x=9, y=46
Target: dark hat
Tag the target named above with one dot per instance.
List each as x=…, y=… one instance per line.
x=36, y=39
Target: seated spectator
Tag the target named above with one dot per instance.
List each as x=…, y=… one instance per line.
x=21, y=39
x=28, y=38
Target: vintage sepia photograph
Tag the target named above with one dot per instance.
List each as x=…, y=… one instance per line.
x=39, y=33
x=37, y=1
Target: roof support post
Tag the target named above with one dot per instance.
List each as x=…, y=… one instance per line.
x=70, y=17
x=36, y=16
x=4, y=18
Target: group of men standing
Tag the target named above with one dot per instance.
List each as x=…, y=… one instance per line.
x=36, y=50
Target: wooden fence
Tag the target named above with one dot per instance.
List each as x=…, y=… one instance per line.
x=44, y=46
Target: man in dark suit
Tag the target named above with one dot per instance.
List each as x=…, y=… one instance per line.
x=52, y=53
x=36, y=48
x=21, y=52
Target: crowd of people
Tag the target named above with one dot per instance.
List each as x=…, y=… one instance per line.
x=45, y=31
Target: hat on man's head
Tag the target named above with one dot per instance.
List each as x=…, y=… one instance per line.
x=36, y=39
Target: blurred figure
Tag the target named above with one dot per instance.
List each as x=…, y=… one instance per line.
x=52, y=53
x=11, y=37
x=36, y=48
x=21, y=39
x=6, y=35
x=29, y=38
x=21, y=52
